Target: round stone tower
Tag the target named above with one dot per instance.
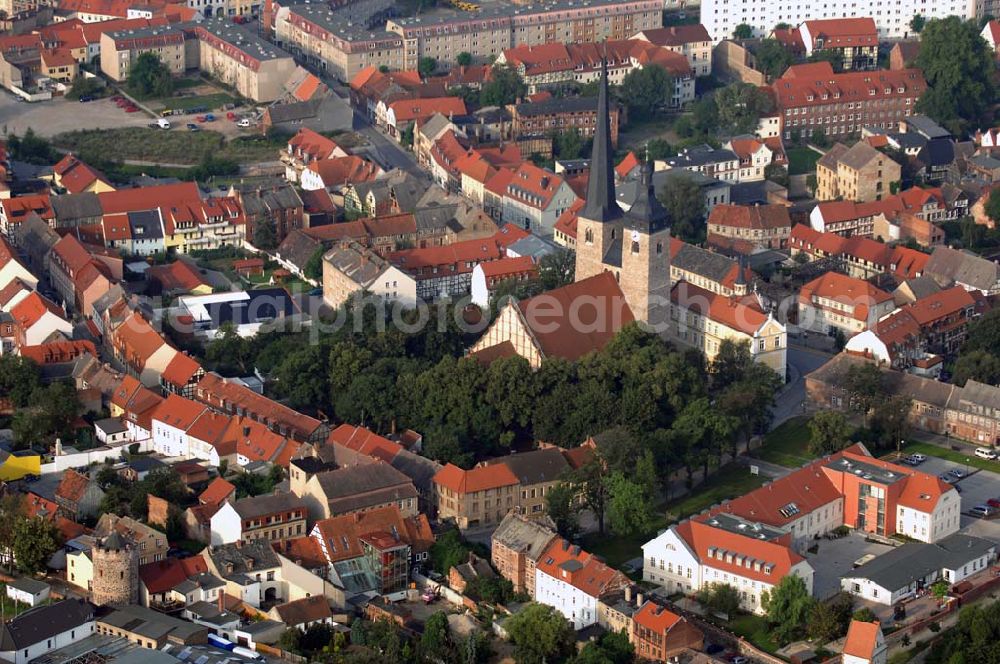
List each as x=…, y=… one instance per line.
x=116, y=572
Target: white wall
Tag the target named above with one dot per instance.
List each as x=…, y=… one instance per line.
x=48, y=645
x=574, y=604
x=169, y=440
x=871, y=591
x=669, y=562
x=226, y=526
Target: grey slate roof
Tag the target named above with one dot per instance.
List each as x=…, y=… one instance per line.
x=916, y=560
x=419, y=469
x=257, y=506
x=701, y=155
x=354, y=480
x=28, y=585
x=44, y=622
x=708, y=264
x=76, y=206
x=536, y=466
x=360, y=265
x=258, y=551
x=150, y=623
x=559, y=105
x=534, y=246
x=602, y=204
x=530, y=537
x=832, y=156
x=859, y=155
x=298, y=247
x=952, y=265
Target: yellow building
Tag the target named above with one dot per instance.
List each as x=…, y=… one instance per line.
x=702, y=319
x=120, y=50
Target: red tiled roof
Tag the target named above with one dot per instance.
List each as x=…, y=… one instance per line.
x=566, y=223
x=480, y=478
x=30, y=310
x=344, y=170
x=509, y=267
x=304, y=551
x=178, y=412
x=548, y=316
x=72, y=486
x=629, y=163
x=569, y=563
x=533, y=186
x=341, y=536
x=763, y=217
x=164, y=575
x=224, y=395
x=406, y=110
x=932, y=308
x=177, y=276
x=56, y=352
x=776, y=558
x=738, y=313
x=211, y=428
x=808, y=84
x=843, y=32
x=365, y=442
x=655, y=618
x=218, y=491
x=8, y=292
x=76, y=176
x=180, y=370
x=862, y=637
x=858, y=294
x=677, y=35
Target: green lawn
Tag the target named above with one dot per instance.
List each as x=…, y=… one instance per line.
x=211, y=102
x=176, y=146
x=728, y=482
x=964, y=458
x=801, y=160
x=617, y=550
x=755, y=630
x=786, y=445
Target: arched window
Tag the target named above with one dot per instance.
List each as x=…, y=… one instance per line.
x=659, y=248
x=635, y=246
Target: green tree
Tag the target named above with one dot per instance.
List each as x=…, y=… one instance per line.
x=504, y=87
x=592, y=481
x=992, y=205
x=19, y=379
x=426, y=66
x=743, y=31
x=828, y=433
x=831, y=55
x=12, y=510
x=978, y=365
x=559, y=505
x=540, y=634
x=777, y=174
x=645, y=472
x=609, y=648
x=406, y=136
x=730, y=364
x=448, y=551
x=890, y=420
x=787, y=606
x=435, y=642
x=567, y=144
x=149, y=77
x=917, y=23
x=557, y=269
x=31, y=148
x=958, y=67
x=683, y=199
x=264, y=234
x=865, y=388
x=940, y=589
x=85, y=87
x=720, y=597
x=773, y=58
x=740, y=106
x=464, y=59
x=647, y=91
x=35, y=540
x=630, y=511
x=818, y=138
x=659, y=148
x=864, y=614
x=822, y=624
x=314, y=266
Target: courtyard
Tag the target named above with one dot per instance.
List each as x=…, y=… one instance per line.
x=835, y=558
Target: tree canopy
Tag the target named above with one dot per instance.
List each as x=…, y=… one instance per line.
x=773, y=58
x=540, y=634
x=958, y=67
x=646, y=91
x=149, y=77
x=684, y=200
x=788, y=606
x=504, y=87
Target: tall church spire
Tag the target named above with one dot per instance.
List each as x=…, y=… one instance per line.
x=601, y=203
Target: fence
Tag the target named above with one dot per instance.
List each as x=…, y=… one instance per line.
x=278, y=653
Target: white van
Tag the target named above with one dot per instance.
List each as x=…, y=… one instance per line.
x=986, y=453
x=163, y=123
x=247, y=653
x=244, y=122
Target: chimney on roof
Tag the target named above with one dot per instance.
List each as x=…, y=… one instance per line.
x=639, y=599
x=628, y=593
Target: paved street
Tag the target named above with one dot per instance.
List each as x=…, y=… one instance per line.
x=384, y=151
x=801, y=361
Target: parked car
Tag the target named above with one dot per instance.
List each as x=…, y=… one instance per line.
x=85, y=98
x=982, y=511
x=209, y=117
x=193, y=127
x=918, y=458
x=231, y=116
x=986, y=453
x=957, y=473
x=163, y=123
x=994, y=503
x=245, y=122
x=131, y=109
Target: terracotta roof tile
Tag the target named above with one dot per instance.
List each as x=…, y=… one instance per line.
x=480, y=478
x=217, y=492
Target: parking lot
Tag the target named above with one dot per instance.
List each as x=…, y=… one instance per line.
x=977, y=487
x=48, y=118
x=835, y=558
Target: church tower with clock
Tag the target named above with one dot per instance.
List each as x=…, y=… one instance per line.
x=633, y=245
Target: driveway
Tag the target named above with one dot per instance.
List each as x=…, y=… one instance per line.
x=790, y=400
x=48, y=118
x=835, y=558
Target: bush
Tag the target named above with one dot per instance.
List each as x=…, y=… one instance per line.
x=86, y=87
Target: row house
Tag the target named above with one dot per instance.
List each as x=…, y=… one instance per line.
x=721, y=164
x=366, y=485
x=535, y=198
x=140, y=348
x=272, y=517
x=135, y=404
x=561, y=114
x=371, y=85
x=305, y=147
x=516, y=546
x=691, y=41
x=955, y=266
x=746, y=230
x=854, y=40
x=339, y=173
x=573, y=581
x=835, y=302
x=17, y=209
x=811, y=97
x=373, y=551
x=936, y=324
x=755, y=155
x=404, y=114
x=858, y=256
x=705, y=320
x=36, y=319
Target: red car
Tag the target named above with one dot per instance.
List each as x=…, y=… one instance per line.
x=200, y=118
x=231, y=116
x=994, y=502
x=131, y=109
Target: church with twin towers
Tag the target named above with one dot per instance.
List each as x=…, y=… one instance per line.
x=635, y=245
